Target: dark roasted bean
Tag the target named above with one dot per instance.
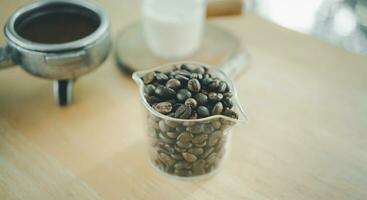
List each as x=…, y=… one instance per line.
x=161, y=77
x=173, y=84
x=215, y=97
x=230, y=113
x=166, y=139
x=149, y=89
x=203, y=144
x=152, y=99
x=148, y=78
x=184, y=145
x=191, y=102
x=194, y=85
x=222, y=86
x=196, y=151
x=207, y=152
x=189, y=157
x=182, y=78
x=185, y=137
x=200, y=138
x=165, y=92
x=214, y=85
x=198, y=128
x=217, y=109
x=183, y=172
x=200, y=70
x=198, y=167
x=203, y=111
x=201, y=98
x=163, y=107
x=182, y=165
x=227, y=95
x=216, y=124
x=172, y=135
x=183, y=94
x=227, y=102
x=183, y=112
x=167, y=160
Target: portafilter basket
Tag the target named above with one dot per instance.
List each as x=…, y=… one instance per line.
x=59, y=40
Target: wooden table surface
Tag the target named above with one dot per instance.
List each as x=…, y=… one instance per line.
x=306, y=138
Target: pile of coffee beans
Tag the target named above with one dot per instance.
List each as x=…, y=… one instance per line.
x=188, y=92
x=188, y=148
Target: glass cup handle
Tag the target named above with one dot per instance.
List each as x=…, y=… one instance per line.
x=5, y=58
x=237, y=64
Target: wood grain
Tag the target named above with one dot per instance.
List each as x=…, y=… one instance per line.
x=26, y=173
x=306, y=138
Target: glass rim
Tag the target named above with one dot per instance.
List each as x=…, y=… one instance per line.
x=137, y=78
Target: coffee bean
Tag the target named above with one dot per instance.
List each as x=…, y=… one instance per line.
x=180, y=128
x=202, y=111
x=194, y=115
x=201, y=98
x=214, y=137
x=211, y=158
x=196, y=151
x=227, y=95
x=163, y=127
x=183, y=94
x=176, y=156
x=148, y=78
x=185, y=137
x=181, y=149
x=214, y=85
x=183, y=73
x=217, y=109
x=215, y=97
x=161, y=77
x=230, y=113
x=196, y=129
x=200, y=138
x=163, y=107
x=186, y=67
x=194, y=85
x=227, y=102
x=168, y=148
x=207, y=152
x=183, y=112
x=191, y=102
x=171, y=74
x=168, y=161
x=149, y=89
x=171, y=123
x=184, y=145
x=200, y=145
x=198, y=167
x=164, y=92
x=172, y=135
x=182, y=165
x=173, y=84
x=166, y=139
x=152, y=99
x=183, y=172
x=206, y=81
x=189, y=157
x=222, y=86
x=182, y=78
x=216, y=124
x=200, y=70
x=196, y=76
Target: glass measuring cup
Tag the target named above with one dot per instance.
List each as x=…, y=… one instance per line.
x=201, y=151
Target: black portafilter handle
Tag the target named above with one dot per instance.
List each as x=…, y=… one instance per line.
x=63, y=91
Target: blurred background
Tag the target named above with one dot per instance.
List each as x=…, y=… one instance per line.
x=340, y=22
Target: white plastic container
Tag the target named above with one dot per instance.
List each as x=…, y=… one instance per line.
x=173, y=28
